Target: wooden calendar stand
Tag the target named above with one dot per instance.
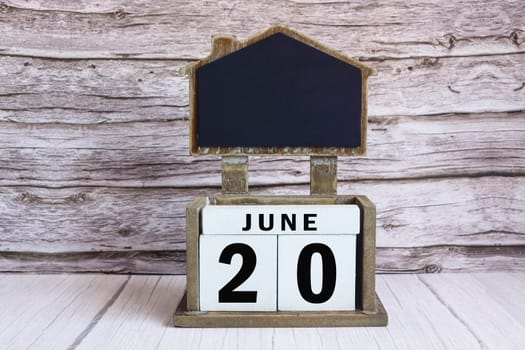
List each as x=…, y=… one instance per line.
x=369, y=312
x=323, y=167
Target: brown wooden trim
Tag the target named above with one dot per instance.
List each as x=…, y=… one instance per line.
x=234, y=174
x=364, y=115
x=366, y=243
x=223, y=45
x=192, y=252
x=184, y=318
x=323, y=175
x=369, y=312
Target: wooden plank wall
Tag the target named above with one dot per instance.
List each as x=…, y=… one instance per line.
x=94, y=165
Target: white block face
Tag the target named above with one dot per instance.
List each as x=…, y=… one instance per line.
x=316, y=272
x=238, y=273
x=281, y=219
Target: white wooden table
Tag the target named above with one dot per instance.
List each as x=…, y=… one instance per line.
x=434, y=311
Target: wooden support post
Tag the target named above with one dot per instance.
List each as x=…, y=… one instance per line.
x=323, y=175
x=234, y=174
x=192, y=253
x=367, y=255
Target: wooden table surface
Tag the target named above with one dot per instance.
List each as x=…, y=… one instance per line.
x=88, y=311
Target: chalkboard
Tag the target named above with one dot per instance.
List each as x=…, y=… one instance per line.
x=278, y=92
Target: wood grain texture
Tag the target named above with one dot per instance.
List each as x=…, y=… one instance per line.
x=422, y=319
x=104, y=91
x=50, y=311
x=94, y=166
x=193, y=224
x=68, y=223
x=109, y=261
x=153, y=154
x=502, y=329
x=182, y=29
x=409, y=213
x=366, y=256
x=323, y=175
x=507, y=288
x=234, y=174
x=434, y=85
x=92, y=219
x=279, y=319
x=431, y=259
x=450, y=258
x=445, y=311
x=91, y=91
x=139, y=317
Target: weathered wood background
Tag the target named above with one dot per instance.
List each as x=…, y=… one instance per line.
x=94, y=165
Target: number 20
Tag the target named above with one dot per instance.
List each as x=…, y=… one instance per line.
x=228, y=294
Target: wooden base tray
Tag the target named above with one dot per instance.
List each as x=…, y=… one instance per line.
x=218, y=319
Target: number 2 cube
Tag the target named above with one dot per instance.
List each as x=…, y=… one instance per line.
x=237, y=272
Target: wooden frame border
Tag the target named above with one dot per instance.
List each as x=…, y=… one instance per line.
x=222, y=319
x=193, y=224
x=369, y=310
x=225, y=45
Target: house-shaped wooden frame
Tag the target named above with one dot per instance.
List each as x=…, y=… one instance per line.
x=221, y=103
x=247, y=80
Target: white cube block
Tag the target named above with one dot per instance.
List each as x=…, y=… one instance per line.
x=238, y=273
x=281, y=219
x=316, y=272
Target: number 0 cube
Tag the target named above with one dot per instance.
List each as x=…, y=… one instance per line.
x=316, y=272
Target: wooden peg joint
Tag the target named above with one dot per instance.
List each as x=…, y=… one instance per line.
x=323, y=175
x=234, y=174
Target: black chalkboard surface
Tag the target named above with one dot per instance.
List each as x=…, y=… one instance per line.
x=278, y=92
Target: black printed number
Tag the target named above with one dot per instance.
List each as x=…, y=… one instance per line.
x=304, y=273
x=228, y=294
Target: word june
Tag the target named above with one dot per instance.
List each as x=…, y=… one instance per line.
x=290, y=221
